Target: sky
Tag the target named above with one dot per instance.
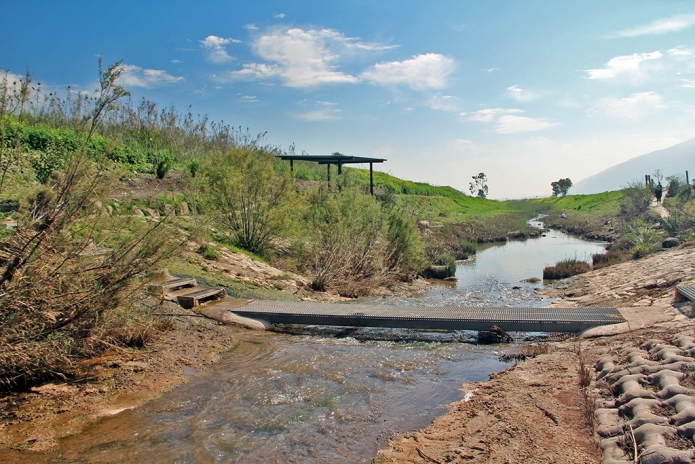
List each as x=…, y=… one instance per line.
x=527, y=92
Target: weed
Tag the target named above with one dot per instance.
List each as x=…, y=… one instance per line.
x=565, y=268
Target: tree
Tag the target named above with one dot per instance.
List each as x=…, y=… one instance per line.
x=251, y=199
x=561, y=187
x=479, y=185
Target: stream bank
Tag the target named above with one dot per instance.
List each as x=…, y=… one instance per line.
x=535, y=411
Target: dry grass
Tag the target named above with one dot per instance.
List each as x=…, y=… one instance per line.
x=565, y=268
x=526, y=352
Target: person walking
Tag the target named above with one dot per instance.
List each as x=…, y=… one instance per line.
x=658, y=192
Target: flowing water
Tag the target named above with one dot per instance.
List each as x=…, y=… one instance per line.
x=284, y=398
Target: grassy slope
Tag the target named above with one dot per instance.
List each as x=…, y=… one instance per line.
x=594, y=205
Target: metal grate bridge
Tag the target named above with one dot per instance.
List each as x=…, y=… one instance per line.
x=525, y=319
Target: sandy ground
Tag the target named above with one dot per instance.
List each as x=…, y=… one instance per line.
x=535, y=411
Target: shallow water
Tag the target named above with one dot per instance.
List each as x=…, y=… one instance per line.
x=283, y=398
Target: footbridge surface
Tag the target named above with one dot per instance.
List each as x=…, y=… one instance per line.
x=523, y=319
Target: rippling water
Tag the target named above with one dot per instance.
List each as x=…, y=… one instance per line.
x=281, y=398
x=291, y=399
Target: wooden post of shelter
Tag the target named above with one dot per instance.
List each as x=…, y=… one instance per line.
x=687, y=179
x=371, y=179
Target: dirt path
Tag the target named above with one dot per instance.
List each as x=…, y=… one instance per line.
x=534, y=412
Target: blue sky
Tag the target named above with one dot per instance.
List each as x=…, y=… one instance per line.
x=526, y=91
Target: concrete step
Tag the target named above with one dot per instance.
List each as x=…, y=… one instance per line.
x=193, y=299
x=177, y=284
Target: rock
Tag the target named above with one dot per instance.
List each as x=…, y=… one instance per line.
x=184, y=208
x=670, y=242
x=494, y=335
x=109, y=209
x=516, y=234
x=136, y=211
x=423, y=225
x=168, y=210
x=152, y=212
x=532, y=280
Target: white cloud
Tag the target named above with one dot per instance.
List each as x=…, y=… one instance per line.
x=303, y=58
x=251, y=27
x=510, y=124
x=634, y=107
x=215, y=47
x=326, y=111
x=11, y=80
x=428, y=71
x=279, y=16
x=490, y=114
x=442, y=103
x=507, y=122
x=517, y=93
x=660, y=26
x=626, y=65
x=463, y=146
x=139, y=77
x=176, y=61
x=689, y=84
x=680, y=51
x=248, y=98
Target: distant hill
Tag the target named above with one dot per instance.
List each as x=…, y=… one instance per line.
x=673, y=160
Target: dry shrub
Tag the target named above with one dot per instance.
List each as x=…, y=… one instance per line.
x=526, y=352
x=588, y=400
x=565, y=268
x=56, y=285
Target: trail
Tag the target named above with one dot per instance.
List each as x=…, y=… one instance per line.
x=659, y=208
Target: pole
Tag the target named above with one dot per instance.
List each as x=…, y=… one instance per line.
x=687, y=179
x=291, y=165
x=329, y=174
x=371, y=179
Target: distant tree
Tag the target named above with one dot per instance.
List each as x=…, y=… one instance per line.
x=561, y=187
x=479, y=185
x=658, y=176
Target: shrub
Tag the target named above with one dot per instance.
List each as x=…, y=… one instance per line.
x=565, y=268
x=639, y=233
x=209, y=252
x=640, y=251
x=636, y=200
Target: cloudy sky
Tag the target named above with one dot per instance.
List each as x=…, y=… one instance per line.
x=526, y=91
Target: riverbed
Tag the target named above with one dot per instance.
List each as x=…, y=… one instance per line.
x=318, y=398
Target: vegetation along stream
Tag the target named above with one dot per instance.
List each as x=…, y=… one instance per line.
x=317, y=398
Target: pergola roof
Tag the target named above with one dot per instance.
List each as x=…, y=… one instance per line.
x=331, y=159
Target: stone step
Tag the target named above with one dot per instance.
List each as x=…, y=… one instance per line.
x=193, y=299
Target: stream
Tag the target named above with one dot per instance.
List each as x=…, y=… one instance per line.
x=317, y=398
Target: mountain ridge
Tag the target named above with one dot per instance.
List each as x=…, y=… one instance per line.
x=672, y=160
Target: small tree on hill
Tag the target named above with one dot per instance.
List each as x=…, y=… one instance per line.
x=479, y=185
x=561, y=187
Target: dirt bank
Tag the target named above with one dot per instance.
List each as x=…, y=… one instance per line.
x=534, y=412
